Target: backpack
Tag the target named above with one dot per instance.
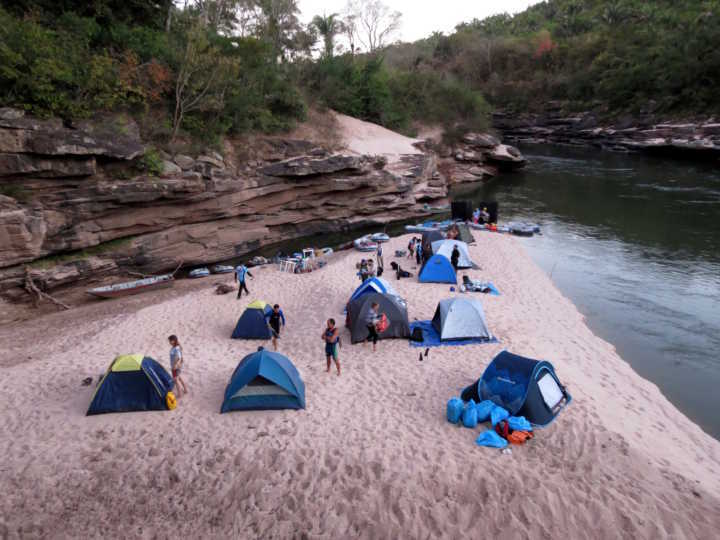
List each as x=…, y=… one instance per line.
x=383, y=324
x=417, y=335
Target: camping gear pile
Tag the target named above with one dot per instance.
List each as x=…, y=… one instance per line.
x=475, y=285
x=516, y=394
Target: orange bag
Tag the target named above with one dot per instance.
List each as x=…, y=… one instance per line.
x=519, y=437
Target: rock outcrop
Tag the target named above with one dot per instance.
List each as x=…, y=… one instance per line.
x=642, y=134
x=478, y=157
x=75, y=204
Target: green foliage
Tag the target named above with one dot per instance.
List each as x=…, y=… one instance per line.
x=151, y=163
x=622, y=54
x=19, y=193
x=396, y=98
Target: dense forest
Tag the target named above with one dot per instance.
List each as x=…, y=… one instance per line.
x=659, y=57
x=207, y=68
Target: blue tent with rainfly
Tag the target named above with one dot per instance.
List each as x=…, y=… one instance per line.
x=133, y=382
x=264, y=380
x=437, y=269
x=371, y=286
x=522, y=386
x=252, y=323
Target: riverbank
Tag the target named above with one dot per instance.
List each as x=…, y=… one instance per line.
x=372, y=455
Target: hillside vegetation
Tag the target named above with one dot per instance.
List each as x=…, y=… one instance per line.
x=615, y=55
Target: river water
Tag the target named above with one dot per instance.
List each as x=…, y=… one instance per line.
x=634, y=242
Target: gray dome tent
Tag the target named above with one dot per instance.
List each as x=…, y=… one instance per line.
x=427, y=240
x=394, y=308
x=460, y=318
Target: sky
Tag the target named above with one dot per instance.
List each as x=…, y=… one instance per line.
x=422, y=17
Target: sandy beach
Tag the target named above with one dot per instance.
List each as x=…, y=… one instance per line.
x=372, y=456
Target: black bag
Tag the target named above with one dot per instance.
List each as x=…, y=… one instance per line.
x=417, y=334
x=380, y=271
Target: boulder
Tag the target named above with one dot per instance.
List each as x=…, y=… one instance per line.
x=170, y=169
x=184, y=162
x=480, y=140
x=214, y=159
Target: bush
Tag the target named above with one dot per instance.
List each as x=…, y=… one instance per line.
x=151, y=163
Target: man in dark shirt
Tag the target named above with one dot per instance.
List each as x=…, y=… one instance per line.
x=274, y=318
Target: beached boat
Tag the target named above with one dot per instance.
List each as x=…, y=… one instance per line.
x=133, y=287
x=199, y=273
x=222, y=269
x=516, y=228
x=365, y=244
x=429, y=226
x=327, y=251
x=379, y=237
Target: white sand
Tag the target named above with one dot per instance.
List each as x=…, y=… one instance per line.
x=372, y=456
x=367, y=138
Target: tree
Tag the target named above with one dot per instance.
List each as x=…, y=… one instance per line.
x=203, y=76
x=372, y=23
x=278, y=23
x=328, y=26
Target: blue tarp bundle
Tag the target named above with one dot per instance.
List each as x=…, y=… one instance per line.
x=454, y=410
x=432, y=339
x=491, y=439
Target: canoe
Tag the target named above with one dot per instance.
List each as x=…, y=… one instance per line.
x=222, y=269
x=379, y=237
x=365, y=244
x=133, y=287
x=199, y=273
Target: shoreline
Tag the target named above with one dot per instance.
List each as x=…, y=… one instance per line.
x=372, y=455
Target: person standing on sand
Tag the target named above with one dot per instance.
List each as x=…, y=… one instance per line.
x=411, y=248
x=241, y=271
x=331, y=337
x=176, y=363
x=380, y=261
x=455, y=257
x=273, y=320
x=418, y=253
x=371, y=319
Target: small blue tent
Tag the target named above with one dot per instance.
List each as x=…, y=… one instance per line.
x=252, y=323
x=437, y=269
x=133, y=382
x=264, y=380
x=523, y=386
x=373, y=285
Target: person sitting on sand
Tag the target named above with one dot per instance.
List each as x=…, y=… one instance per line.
x=176, y=363
x=372, y=317
x=370, y=268
x=331, y=337
x=273, y=320
x=241, y=271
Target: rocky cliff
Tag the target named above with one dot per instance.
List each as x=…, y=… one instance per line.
x=697, y=140
x=76, y=201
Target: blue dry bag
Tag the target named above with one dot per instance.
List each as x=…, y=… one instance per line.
x=469, y=416
x=454, y=410
x=492, y=439
x=519, y=423
x=498, y=414
x=484, y=408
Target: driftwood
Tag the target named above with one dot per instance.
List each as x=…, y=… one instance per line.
x=37, y=294
x=223, y=288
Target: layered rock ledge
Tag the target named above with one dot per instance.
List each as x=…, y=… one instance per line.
x=76, y=202
x=698, y=140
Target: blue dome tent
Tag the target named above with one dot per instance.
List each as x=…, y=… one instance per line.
x=252, y=323
x=264, y=380
x=437, y=269
x=523, y=386
x=133, y=382
x=373, y=285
